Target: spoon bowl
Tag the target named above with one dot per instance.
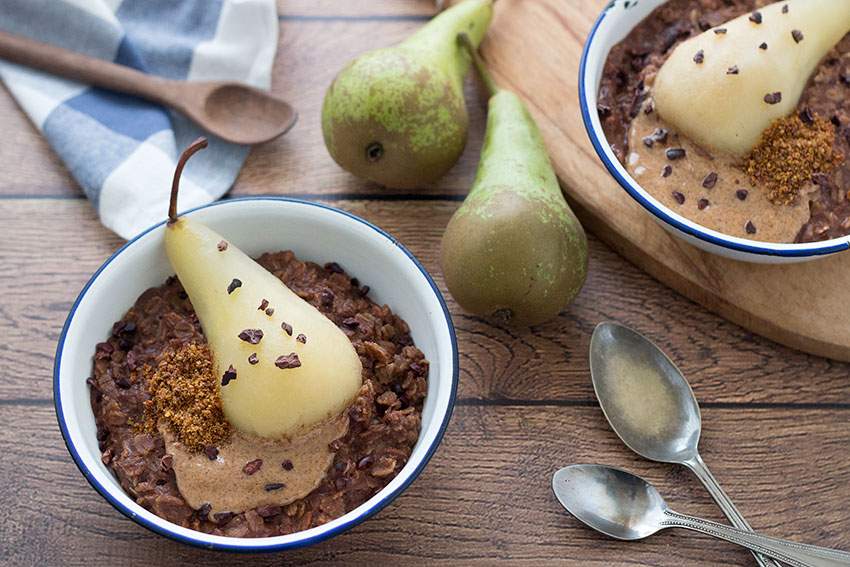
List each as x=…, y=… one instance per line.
x=240, y=114
x=612, y=501
x=643, y=395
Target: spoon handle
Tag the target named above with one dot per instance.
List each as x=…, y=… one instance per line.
x=697, y=465
x=792, y=553
x=89, y=70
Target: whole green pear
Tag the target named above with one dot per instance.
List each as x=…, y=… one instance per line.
x=397, y=115
x=514, y=249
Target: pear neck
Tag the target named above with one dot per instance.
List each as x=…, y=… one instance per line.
x=438, y=38
x=513, y=154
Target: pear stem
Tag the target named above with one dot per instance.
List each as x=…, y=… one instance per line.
x=195, y=146
x=478, y=62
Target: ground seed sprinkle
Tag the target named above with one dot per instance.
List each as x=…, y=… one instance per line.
x=183, y=393
x=789, y=152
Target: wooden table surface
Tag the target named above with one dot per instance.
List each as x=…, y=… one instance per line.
x=776, y=423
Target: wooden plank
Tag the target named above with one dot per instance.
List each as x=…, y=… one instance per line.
x=29, y=164
x=548, y=362
x=310, y=54
x=801, y=305
x=485, y=496
x=360, y=9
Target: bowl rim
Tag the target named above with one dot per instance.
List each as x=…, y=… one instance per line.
x=690, y=228
x=375, y=504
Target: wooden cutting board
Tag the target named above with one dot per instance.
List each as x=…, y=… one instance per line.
x=534, y=48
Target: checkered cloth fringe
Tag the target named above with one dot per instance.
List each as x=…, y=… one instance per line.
x=123, y=150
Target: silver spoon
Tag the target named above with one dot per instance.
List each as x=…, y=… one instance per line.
x=624, y=506
x=651, y=407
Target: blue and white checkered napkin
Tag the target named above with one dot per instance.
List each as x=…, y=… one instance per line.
x=122, y=150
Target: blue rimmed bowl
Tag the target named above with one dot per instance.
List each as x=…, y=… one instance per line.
x=615, y=23
x=313, y=232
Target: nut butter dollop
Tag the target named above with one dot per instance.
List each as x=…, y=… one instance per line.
x=289, y=470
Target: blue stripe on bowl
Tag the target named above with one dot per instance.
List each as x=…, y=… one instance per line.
x=600, y=145
x=375, y=505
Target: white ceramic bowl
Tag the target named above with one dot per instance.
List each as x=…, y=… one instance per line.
x=615, y=23
x=314, y=232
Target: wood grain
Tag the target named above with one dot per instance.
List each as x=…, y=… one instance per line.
x=485, y=497
x=813, y=314
x=548, y=362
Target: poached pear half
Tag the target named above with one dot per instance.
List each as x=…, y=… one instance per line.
x=397, y=115
x=282, y=367
x=751, y=74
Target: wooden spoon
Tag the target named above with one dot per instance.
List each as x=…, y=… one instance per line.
x=234, y=112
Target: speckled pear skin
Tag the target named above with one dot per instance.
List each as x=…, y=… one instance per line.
x=408, y=99
x=514, y=249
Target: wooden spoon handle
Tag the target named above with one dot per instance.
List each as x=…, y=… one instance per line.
x=90, y=70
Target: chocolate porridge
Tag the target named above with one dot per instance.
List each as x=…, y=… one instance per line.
x=717, y=191
x=382, y=423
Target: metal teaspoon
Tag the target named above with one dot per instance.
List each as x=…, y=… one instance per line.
x=651, y=407
x=624, y=506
